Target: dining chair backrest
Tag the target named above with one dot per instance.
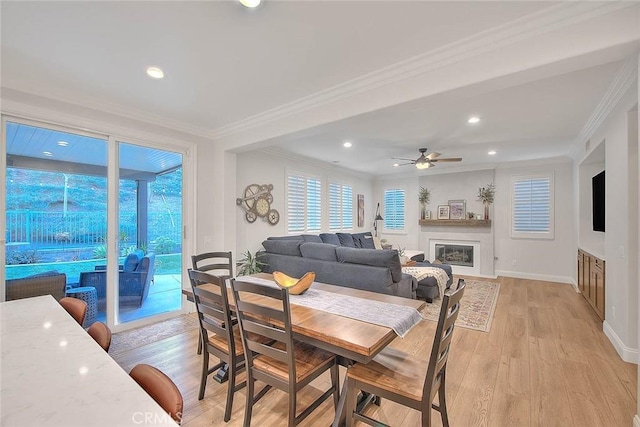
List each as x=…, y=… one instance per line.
x=75, y=307
x=441, y=343
x=161, y=389
x=269, y=320
x=212, y=305
x=218, y=262
x=101, y=334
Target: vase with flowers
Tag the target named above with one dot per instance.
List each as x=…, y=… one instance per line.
x=423, y=197
x=486, y=196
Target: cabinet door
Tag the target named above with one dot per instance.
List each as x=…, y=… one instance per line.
x=599, y=287
x=581, y=271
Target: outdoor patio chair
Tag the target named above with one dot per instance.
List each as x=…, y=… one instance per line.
x=134, y=285
x=50, y=283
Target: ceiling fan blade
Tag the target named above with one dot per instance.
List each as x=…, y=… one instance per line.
x=401, y=158
x=433, y=156
x=453, y=159
x=404, y=164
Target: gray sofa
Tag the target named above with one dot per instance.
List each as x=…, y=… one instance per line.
x=366, y=269
x=349, y=260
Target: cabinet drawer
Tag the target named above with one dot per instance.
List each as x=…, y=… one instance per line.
x=598, y=264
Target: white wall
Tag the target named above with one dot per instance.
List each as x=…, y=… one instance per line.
x=541, y=259
x=621, y=302
x=258, y=167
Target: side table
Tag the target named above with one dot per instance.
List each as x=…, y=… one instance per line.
x=89, y=295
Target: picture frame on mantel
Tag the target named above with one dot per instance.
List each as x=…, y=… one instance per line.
x=458, y=209
x=443, y=211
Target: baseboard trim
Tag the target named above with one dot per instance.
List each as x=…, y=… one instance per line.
x=532, y=276
x=636, y=421
x=627, y=354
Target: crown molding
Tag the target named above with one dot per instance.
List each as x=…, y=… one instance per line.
x=549, y=19
x=623, y=80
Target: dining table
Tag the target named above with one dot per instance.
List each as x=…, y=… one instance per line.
x=52, y=373
x=352, y=340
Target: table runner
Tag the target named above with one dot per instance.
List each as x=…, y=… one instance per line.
x=397, y=317
x=421, y=272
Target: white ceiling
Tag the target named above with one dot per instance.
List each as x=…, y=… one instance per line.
x=226, y=65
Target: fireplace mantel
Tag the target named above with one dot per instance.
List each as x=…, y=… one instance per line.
x=455, y=222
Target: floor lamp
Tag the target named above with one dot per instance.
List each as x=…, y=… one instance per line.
x=375, y=221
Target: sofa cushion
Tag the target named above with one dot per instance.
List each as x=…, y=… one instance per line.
x=297, y=238
x=330, y=238
x=283, y=247
x=363, y=240
x=346, y=240
x=311, y=238
x=323, y=251
x=389, y=259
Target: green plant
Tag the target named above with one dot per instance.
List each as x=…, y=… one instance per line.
x=250, y=264
x=486, y=194
x=401, y=251
x=100, y=252
x=21, y=257
x=424, y=196
x=164, y=245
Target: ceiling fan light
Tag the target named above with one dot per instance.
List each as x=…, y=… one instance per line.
x=423, y=165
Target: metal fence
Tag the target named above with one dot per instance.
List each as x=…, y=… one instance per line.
x=55, y=229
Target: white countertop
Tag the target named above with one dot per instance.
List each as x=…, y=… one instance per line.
x=52, y=373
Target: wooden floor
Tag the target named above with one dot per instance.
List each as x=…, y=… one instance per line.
x=545, y=362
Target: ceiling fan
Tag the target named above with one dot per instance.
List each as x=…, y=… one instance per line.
x=424, y=162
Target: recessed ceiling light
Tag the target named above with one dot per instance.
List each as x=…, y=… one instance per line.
x=250, y=3
x=347, y=144
x=492, y=152
x=395, y=165
x=155, y=72
x=473, y=120
x=63, y=143
x=48, y=153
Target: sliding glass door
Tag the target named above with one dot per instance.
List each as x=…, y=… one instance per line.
x=57, y=214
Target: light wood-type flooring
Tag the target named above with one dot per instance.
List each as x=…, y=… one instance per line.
x=545, y=362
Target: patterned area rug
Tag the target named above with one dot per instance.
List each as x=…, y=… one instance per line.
x=477, y=305
x=138, y=337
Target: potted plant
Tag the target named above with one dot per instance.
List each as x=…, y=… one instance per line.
x=250, y=264
x=486, y=196
x=423, y=198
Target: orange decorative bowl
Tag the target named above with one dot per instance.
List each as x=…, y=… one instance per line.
x=295, y=286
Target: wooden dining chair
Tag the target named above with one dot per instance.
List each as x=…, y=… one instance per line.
x=411, y=382
x=75, y=307
x=101, y=334
x=282, y=363
x=218, y=263
x=221, y=339
x=161, y=389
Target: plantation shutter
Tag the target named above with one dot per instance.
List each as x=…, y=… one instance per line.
x=340, y=207
x=532, y=207
x=314, y=204
x=296, y=200
x=394, y=209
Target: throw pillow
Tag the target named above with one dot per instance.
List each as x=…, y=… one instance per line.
x=367, y=243
x=346, y=240
x=330, y=238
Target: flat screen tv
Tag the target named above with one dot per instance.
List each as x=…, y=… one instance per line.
x=597, y=198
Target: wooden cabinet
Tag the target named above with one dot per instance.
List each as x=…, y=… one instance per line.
x=591, y=280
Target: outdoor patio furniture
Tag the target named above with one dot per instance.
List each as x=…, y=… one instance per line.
x=89, y=295
x=134, y=285
x=50, y=283
x=130, y=262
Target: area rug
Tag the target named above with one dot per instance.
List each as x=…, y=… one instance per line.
x=138, y=337
x=476, y=307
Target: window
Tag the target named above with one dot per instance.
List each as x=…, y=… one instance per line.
x=532, y=206
x=394, y=209
x=304, y=204
x=340, y=207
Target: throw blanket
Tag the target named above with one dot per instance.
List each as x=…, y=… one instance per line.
x=421, y=272
x=397, y=317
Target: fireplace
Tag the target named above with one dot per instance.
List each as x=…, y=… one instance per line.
x=454, y=254
x=462, y=255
